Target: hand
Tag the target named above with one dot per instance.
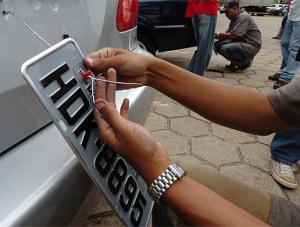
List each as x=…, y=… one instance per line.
x=130, y=140
x=130, y=67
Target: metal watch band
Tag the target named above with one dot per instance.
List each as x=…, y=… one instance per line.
x=173, y=173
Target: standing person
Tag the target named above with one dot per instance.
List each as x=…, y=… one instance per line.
x=279, y=36
x=280, y=32
x=204, y=20
x=285, y=150
x=242, y=40
x=281, y=29
x=290, y=44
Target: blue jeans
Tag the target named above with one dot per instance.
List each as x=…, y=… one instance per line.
x=204, y=31
x=231, y=51
x=290, y=44
x=285, y=147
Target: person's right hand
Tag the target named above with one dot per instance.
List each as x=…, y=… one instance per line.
x=130, y=67
x=130, y=140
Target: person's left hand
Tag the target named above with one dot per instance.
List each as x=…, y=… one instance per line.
x=134, y=143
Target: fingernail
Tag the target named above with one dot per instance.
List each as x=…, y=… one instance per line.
x=99, y=105
x=90, y=61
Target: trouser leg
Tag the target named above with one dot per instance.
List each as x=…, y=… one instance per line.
x=285, y=147
x=239, y=193
x=192, y=63
x=232, y=52
x=290, y=45
x=204, y=30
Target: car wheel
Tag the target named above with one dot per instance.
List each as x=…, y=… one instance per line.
x=146, y=43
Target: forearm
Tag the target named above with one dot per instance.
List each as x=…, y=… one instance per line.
x=225, y=35
x=199, y=206
x=231, y=106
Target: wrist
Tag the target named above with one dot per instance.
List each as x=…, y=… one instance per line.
x=152, y=71
x=165, y=180
x=160, y=75
x=151, y=167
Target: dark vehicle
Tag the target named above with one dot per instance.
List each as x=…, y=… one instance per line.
x=162, y=26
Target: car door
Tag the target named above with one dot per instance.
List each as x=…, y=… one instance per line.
x=166, y=23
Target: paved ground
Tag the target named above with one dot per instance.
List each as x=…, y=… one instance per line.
x=188, y=136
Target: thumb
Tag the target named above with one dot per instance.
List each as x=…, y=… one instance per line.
x=96, y=64
x=110, y=114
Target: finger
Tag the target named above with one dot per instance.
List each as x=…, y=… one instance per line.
x=111, y=87
x=110, y=115
x=99, y=64
x=105, y=53
x=102, y=59
x=124, y=109
x=106, y=132
x=101, y=123
x=101, y=88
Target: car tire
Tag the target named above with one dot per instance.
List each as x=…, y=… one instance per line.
x=146, y=43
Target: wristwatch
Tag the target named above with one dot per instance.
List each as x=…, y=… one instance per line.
x=173, y=173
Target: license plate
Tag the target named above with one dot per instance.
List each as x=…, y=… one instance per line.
x=55, y=77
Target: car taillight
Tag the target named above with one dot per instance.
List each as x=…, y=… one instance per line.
x=128, y=11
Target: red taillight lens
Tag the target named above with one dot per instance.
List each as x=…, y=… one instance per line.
x=128, y=11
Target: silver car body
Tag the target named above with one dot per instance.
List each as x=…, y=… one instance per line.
x=42, y=182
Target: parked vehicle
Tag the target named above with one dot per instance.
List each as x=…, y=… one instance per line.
x=275, y=7
x=284, y=11
x=255, y=6
x=42, y=182
x=280, y=11
x=162, y=25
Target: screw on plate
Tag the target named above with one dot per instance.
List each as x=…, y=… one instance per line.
x=65, y=36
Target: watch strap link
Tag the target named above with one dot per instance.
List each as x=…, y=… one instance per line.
x=166, y=179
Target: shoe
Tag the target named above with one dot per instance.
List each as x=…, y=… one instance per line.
x=279, y=84
x=276, y=37
x=243, y=67
x=231, y=67
x=274, y=77
x=283, y=174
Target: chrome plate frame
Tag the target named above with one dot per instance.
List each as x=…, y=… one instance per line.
x=54, y=75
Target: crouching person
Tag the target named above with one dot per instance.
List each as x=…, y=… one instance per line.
x=242, y=40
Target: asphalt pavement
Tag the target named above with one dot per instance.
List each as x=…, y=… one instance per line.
x=185, y=135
